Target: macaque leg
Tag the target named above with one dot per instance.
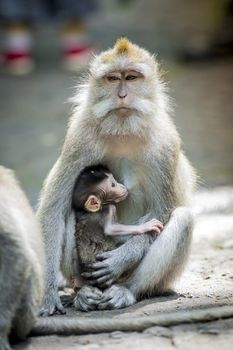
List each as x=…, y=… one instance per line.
x=162, y=263
x=166, y=257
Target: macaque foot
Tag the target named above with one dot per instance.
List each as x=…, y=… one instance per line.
x=116, y=297
x=88, y=298
x=51, y=305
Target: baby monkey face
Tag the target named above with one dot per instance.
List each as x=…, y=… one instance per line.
x=114, y=192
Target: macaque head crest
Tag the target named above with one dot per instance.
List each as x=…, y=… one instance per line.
x=122, y=47
x=124, y=55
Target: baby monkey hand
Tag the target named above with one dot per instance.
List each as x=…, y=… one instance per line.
x=152, y=226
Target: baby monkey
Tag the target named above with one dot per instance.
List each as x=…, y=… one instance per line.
x=96, y=193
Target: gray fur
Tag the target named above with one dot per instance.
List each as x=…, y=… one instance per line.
x=21, y=261
x=143, y=152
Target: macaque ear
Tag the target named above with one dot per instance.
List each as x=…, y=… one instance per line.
x=92, y=204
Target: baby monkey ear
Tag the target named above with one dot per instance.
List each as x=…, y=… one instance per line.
x=92, y=204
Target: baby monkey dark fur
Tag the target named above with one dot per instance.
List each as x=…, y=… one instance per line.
x=89, y=233
x=95, y=195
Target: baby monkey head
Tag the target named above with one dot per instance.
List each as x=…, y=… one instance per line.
x=96, y=187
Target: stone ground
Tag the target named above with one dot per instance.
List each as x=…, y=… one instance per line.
x=33, y=119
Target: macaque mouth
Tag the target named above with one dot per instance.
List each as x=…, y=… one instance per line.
x=122, y=111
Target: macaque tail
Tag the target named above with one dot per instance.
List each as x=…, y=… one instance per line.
x=75, y=326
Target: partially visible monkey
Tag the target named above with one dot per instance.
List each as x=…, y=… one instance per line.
x=122, y=119
x=21, y=261
x=95, y=196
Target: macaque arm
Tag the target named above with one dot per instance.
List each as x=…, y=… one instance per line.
x=53, y=213
x=112, y=228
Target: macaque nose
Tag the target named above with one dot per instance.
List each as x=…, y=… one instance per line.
x=122, y=93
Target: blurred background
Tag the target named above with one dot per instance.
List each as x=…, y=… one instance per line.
x=45, y=47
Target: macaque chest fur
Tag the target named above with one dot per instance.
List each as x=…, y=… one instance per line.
x=134, y=175
x=90, y=238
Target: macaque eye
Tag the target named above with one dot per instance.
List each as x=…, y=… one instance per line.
x=113, y=184
x=131, y=77
x=112, y=78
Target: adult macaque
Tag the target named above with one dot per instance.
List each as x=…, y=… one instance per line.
x=21, y=261
x=95, y=194
x=121, y=119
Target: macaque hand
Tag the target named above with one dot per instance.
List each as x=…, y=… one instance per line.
x=109, y=267
x=51, y=305
x=153, y=226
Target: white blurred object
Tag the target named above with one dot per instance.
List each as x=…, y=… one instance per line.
x=214, y=217
x=217, y=200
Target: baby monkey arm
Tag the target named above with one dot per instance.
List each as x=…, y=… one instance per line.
x=112, y=228
x=112, y=264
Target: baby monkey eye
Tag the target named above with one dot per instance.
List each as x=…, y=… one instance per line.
x=113, y=184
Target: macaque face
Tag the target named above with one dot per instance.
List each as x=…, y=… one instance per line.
x=113, y=191
x=124, y=103
x=123, y=87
